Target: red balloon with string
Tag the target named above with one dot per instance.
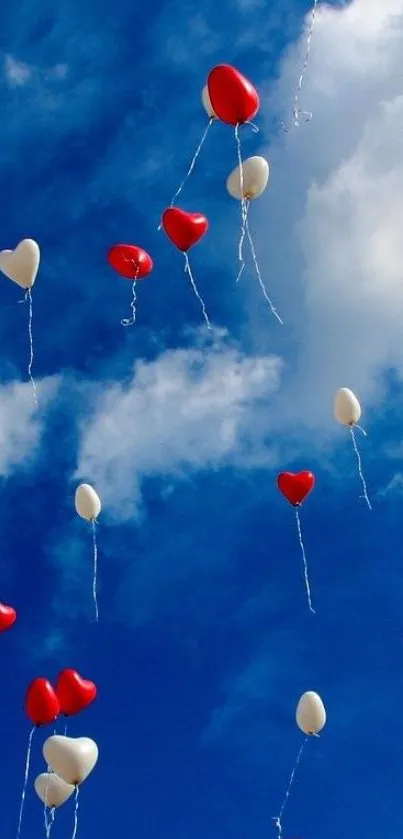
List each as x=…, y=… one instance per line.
x=296, y=486
x=185, y=230
x=235, y=101
x=133, y=263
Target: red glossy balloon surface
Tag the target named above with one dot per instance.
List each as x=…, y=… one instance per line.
x=233, y=98
x=73, y=692
x=130, y=261
x=8, y=617
x=184, y=229
x=295, y=486
x=41, y=703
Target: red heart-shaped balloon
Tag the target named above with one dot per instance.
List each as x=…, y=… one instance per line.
x=41, y=703
x=73, y=692
x=233, y=98
x=184, y=229
x=295, y=486
x=130, y=261
x=8, y=617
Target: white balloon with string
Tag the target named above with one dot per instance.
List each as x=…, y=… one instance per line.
x=247, y=182
x=53, y=792
x=88, y=506
x=311, y=719
x=347, y=412
x=21, y=265
x=72, y=759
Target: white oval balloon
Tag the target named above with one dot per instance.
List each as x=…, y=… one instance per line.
x=207, y=103
x=346, y=407
x=52, y=790
x=88, y=503
x=255, y=178
x=311, y=713
x=72, y=758
x=21, y=265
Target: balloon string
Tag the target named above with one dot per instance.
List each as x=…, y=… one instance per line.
x=306, y=578
x=259, y=276
x=49, y=824
x=361, y=429
x=277, y=819
x=299, y=117
x=45, y=805
x=95, y=574
x=26, y=774
x=28, y=297
x=253, y=126
x=193, y=161
x=131, y=321
x=76, y=813
x=244, y=204
x=189, y=271
x=242, y=240
x=360, y=472
x=52, y=810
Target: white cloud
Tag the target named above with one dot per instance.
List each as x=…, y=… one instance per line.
x=188, y=409
x=333, y=216
x=17, y=73
x=20, y=425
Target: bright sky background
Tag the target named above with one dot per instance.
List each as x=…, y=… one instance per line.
x=205, y=642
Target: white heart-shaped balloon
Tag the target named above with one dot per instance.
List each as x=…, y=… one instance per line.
x=21, y=265
x=72, y=758
x=52, y=790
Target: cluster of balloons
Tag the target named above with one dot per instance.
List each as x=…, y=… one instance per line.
x=69, y=760
x=71, y=694
x=228, y=97
x=296, y=486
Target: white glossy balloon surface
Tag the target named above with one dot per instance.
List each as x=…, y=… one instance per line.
x=52, y=790
x=255, y=178
x=346, y=407
x=207, y=102
x=21, y=265
x=310, y=714
x=72, y=758
x=88, y=503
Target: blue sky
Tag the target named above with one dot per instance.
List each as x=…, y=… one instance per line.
x=205, y=642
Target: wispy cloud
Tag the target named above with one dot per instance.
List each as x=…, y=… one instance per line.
x=331, y=219
x=16, y=72
x=189, y=409
x=21, y=426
